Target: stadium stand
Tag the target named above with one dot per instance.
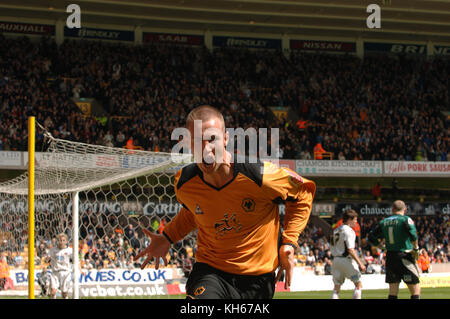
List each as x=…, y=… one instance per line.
x=346, y=104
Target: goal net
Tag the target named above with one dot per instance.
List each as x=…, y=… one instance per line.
x=101, y=198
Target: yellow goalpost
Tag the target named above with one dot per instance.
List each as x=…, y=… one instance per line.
x=31, y=147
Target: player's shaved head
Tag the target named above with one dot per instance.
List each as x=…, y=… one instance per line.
x=398, y=206
x=205, y=113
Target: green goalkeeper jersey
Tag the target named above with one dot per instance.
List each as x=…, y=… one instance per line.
x=398, y=231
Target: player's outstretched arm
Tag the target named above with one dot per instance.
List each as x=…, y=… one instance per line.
x=158, y=248
x=178, y=228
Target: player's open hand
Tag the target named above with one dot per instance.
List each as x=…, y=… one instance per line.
x=158, y=248
x=287, y=264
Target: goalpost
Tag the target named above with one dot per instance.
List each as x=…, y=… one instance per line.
x=91, y=193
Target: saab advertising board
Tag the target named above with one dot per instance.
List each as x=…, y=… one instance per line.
x=101, y=34
x=254, y=43
x=329, y=46
x=184, y=39
x=395, y=48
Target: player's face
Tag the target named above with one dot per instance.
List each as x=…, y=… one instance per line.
x=353, y=222
x=208, y=147
x=62, y=241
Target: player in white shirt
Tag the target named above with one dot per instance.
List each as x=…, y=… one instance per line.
x=61, y=267
x=345, y=260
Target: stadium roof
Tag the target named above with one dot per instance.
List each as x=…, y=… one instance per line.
x=415, y=20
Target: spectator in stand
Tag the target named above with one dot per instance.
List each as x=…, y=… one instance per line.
x=304, y=249
x=4, y=272
x=158, y=84
x=368, y=258
x=120, y=138
x=327, y=266
x=129, y=231
x=310, y=259
x=135, y=242
x=376, y=191
x=318, y=151
x=374, y=267
x=424, y=261
x=130, y=144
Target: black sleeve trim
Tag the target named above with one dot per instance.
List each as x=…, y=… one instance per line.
x=188, y=172
x=167, y=237
x=253, y=171
x=184, y=206
x=279, y=200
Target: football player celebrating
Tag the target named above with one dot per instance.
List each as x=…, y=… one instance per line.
x=234, y=207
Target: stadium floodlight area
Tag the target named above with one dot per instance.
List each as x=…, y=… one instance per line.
x=80, y=189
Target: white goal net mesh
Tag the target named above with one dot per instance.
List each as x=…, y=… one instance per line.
x=120, y=192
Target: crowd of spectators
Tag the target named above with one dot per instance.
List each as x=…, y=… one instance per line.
x=377, y=108
x=108, y=242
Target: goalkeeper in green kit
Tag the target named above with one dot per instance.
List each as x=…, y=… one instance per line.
x=400, y=235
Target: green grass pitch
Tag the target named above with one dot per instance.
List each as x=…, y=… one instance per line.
x=426, y=293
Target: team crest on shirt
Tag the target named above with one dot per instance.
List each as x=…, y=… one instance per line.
x=198, y=291
x=294, y=178
x=227, y=224
x=248, y=204
x=198, y=210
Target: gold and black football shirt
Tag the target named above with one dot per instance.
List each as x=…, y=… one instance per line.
x=238, y=223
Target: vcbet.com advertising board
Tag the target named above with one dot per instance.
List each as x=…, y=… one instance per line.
x=114, y=282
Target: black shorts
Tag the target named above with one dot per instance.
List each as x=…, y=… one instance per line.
x=401, y=266
x=206, y=282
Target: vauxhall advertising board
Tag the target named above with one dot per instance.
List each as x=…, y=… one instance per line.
x=27, y=28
